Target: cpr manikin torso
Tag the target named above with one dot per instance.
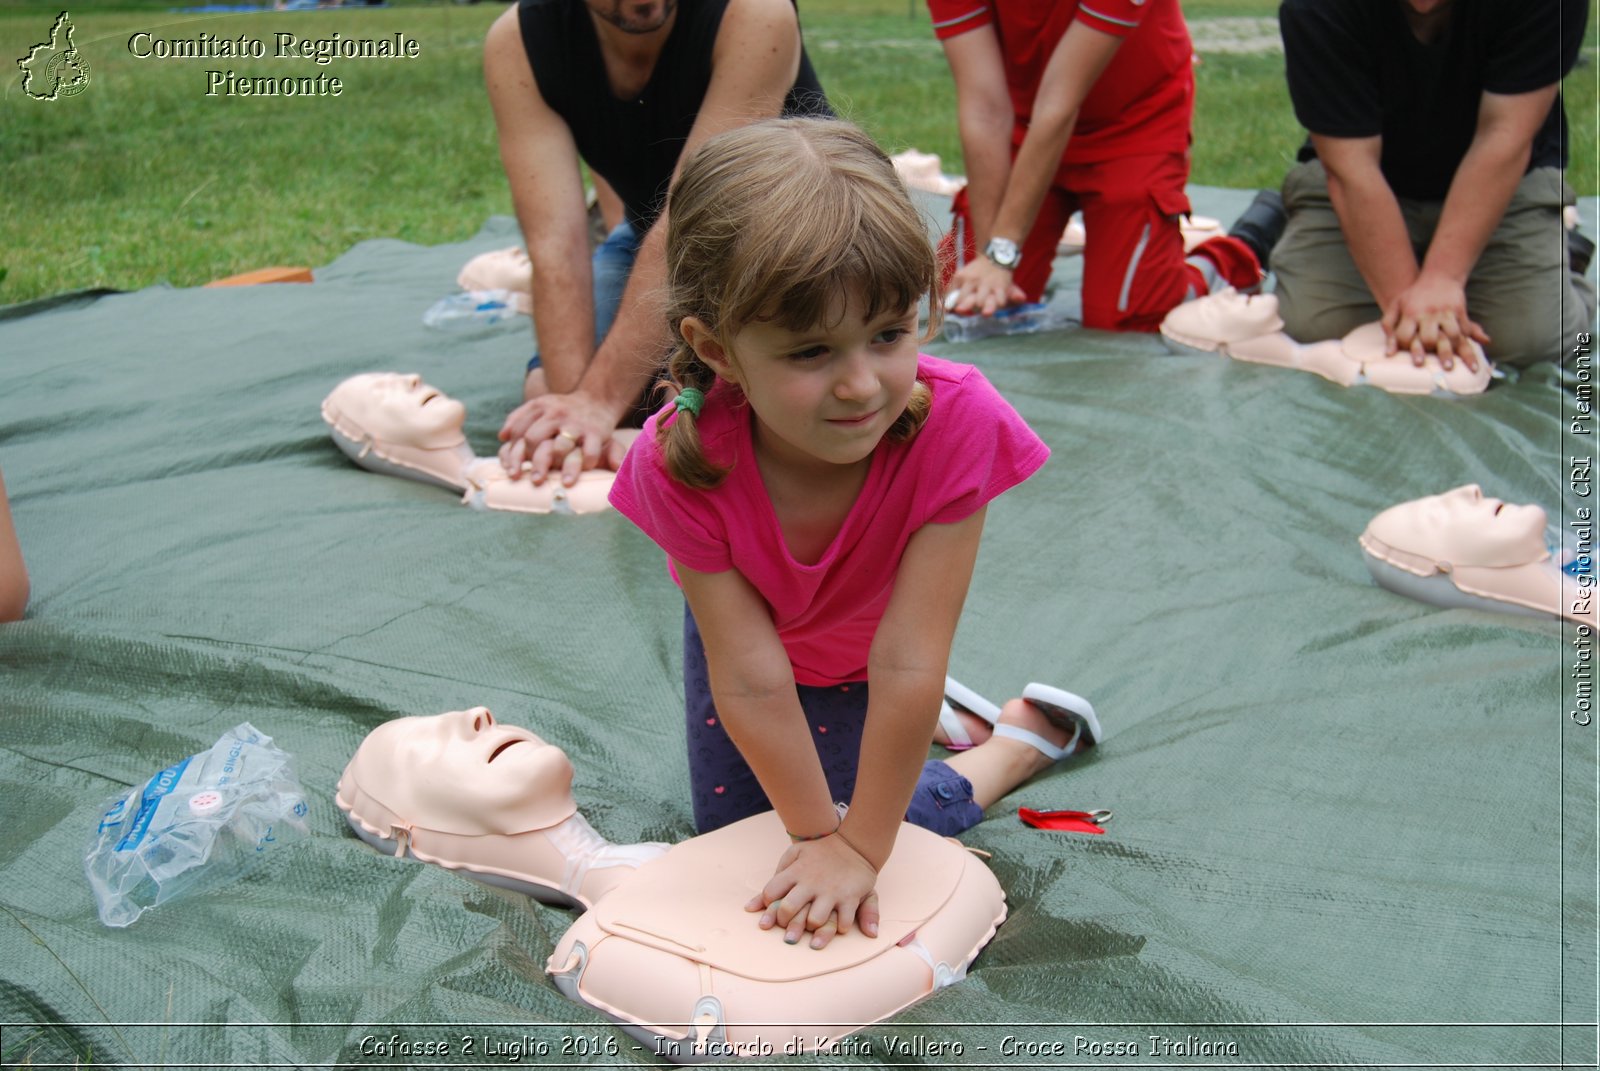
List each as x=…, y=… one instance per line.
x=673, y=956
x=665, y=948
x=1248, y=328
x=1462, y=549
x=398, y=425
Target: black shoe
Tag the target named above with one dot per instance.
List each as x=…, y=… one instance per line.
x=1580, y=250
x=1261, y=225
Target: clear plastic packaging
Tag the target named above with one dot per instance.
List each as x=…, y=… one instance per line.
x=1012, y=320
x=204, y=820
x=473, y=312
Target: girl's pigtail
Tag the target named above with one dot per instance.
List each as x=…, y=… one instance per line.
x=679, y=438
x=910, y=422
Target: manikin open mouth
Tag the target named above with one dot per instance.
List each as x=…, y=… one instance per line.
x=495, y=754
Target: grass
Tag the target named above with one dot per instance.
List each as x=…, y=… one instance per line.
x=143, y=178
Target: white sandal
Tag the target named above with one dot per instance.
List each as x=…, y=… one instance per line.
x=1065, y=710
x=958, y=698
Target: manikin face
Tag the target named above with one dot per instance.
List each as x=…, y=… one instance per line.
x=634, y=16
x=463, y=772
x=400, y=409
x=1463, y=527
x=828, y=394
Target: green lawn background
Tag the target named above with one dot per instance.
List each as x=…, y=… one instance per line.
x=142, y=178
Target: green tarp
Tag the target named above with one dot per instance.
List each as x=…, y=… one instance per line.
x=1349, y=828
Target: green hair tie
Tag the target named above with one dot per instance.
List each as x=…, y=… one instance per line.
x=689, y=399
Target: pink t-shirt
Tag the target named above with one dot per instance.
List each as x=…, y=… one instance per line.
x=972, y=448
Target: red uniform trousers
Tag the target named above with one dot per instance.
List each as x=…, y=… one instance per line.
x=1134, y=269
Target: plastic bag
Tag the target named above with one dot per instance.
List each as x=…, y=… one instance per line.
x=1012, y=320
x=473, y=312
x=207, y=819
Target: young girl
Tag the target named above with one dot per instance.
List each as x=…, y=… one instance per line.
x=819, y=488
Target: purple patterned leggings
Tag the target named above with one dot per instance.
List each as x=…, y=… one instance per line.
x=726, y=790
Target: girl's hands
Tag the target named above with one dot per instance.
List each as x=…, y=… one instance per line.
x=822, y=886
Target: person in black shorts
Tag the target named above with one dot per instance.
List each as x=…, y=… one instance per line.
x=1430, y=191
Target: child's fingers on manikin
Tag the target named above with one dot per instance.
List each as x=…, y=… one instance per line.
x=791, y=914
x=777, y=886
x=867, y=916
x=801, y=921
x=781, y=909
x=843, y=914
x=825, y=933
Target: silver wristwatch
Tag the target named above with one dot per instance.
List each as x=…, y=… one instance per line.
x=1004, y=252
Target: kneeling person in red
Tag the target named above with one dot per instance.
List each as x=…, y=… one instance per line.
x=1067, y=106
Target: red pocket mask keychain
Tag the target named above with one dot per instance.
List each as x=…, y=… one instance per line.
x=1070, y=821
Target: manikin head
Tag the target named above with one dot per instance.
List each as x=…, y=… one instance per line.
x=397, y=408
x=503, y=269
x=491, y=800
x=1460, y=549
x=1463, y=528
x=464, y=773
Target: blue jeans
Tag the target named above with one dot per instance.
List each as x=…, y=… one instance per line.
x=613, y=263
x=724, y=788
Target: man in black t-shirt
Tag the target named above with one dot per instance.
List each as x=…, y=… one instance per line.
x=1430, y=192
x=632, y=87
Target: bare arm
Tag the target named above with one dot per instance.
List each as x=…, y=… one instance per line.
x=907, y=665
x=1424, y=307
x=13, y=573
x=985, y=118
x=754, y=63
x=752, y=683
x=815, y=886
x=1369, y=214
x=1486, y=179
x=541, y=165
x=1431, y=315
x=1080, y=57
